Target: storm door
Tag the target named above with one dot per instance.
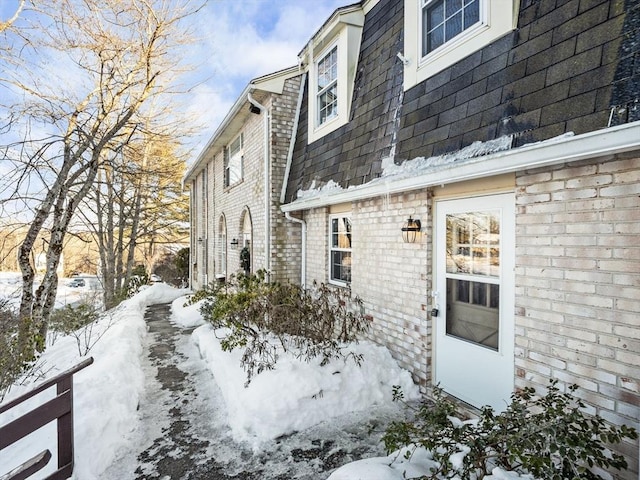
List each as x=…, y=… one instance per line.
x=474, y=299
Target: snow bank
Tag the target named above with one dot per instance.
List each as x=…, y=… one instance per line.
x=184, y=315
x=105, y=394
x=265, y=409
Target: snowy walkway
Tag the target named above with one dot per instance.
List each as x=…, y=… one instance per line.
x=184, y=434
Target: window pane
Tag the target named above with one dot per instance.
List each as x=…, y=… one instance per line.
x=328, y=104
x=235, y=169
x=436, y=15
x=463, y=291
x=494, y=299
x=452, y=7
x=471, y=321
x=454, y=26
x=473, y=243
x=445, y=19
x=328, y=69
x=341, y=266
x=340, y=256
x=479, y=293
x=341, y=233
x=471, y=13
x=435, y=38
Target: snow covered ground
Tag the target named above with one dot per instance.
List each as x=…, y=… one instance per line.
x=294, y=396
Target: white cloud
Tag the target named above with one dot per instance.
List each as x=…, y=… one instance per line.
x=242, y=40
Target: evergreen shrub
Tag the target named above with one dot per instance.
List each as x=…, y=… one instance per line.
x=550, y=437
x=266, y=318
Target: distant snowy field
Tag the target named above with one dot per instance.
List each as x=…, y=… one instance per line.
x=106, y=393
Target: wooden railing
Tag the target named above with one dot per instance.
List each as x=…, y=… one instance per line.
x=60, y=409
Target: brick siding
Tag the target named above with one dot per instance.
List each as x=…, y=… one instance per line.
x=391, y=277
x=578, y=285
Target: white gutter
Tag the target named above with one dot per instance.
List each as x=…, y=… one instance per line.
x=599, y=143
x=267, y=184
x=303, y=264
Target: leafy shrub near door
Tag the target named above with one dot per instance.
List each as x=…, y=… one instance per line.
x=265, y=318
x=549, y=437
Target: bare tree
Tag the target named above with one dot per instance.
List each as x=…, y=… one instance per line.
x=135, y=205
x=5, y=24
x=80, y=97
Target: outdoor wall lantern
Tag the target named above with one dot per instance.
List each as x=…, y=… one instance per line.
x=234, y=243
x=410, y=230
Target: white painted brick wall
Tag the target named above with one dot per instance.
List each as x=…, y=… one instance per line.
x=578, y=285
x=390, y=276
x=248, y=195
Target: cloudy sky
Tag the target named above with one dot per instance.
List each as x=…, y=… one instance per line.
x=240, y=40
x=245, y=39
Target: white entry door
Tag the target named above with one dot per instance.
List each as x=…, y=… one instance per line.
x=474, y=298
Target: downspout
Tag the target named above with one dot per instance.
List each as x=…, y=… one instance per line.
x=267, y=184
x=283, y=192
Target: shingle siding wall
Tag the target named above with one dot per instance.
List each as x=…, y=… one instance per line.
x=578, y=284
x=555, y=73
x=353, y=154
x=563, y=69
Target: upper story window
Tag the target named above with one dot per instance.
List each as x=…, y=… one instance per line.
x=443, y=20
x=439, y=33
x=233, y=161
x=331, y=58
x=340, y=254
x=327, y=84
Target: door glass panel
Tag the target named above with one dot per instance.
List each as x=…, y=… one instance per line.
x=473, y=271
x=472, y=312
x=473, y=243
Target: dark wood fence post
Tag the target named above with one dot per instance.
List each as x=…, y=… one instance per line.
x=60, y=409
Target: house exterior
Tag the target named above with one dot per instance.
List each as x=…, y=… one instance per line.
x=471, y=170
x=511, y=130
x=229, y=188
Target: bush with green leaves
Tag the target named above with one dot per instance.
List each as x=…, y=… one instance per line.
x=265, y=318
x=549, y=437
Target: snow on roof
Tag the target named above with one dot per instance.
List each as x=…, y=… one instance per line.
x=419, y=166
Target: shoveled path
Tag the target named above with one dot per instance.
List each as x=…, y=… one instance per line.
x=184, y=435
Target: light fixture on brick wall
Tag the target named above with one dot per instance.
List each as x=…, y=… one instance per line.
x=234, y=243
x=410, y=230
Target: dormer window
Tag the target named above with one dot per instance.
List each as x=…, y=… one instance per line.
x=439, y=33
x=331, y=57
x=327, y=84
x=443, y=20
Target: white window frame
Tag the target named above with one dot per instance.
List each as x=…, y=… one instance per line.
x=340, y=248
x=330, y=87
x=428, y=4
x=496, y=19
x=234, y=161
x=343, y=32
